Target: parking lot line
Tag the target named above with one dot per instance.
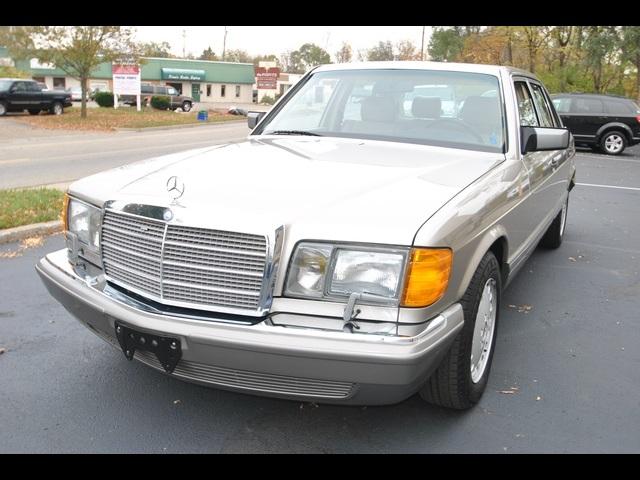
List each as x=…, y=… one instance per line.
x=607, y=186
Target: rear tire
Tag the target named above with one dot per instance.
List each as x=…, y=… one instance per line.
x=613, y=142
x=555, y=233
x=461, y=378
x=56, y=108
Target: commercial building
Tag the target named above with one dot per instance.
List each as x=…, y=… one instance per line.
x=205, y=81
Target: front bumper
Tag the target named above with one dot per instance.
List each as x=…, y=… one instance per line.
x=264, y=359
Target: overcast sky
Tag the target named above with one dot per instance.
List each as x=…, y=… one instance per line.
x=266, y=40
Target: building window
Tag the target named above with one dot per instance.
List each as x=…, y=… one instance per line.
x=237, y=91
x=222, y=90
x=59, y=82
x=208, y=90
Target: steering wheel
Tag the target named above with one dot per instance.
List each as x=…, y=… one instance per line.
x=460, y=125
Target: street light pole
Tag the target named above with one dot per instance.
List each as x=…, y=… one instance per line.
x=224, y=43
x=422, y=46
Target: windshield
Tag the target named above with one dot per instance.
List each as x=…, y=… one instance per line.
x=451, y=109
x=5, y=84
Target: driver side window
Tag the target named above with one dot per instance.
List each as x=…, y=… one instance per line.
x=525, y=106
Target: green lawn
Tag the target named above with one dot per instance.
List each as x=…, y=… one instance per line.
x=105, y=119
x=26, y=206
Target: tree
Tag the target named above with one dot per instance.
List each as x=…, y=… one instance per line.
x=265, y=58
x=155, y=49
x=446, y=44
x=631, y=49
x=344, y=55
x=306, y=57
x=208, y=54
x=406, y=50
x=78, y=51
x=381, y=52
x=239, y=56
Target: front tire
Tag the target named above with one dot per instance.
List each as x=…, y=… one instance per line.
x=3, y=109
x=613, y=143
x=555, y=233
x=186, y=106
x=462, y=377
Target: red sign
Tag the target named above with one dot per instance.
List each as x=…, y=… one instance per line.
x=125, y=70
x=267, y=78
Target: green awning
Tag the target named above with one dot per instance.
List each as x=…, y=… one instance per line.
x=182, y=74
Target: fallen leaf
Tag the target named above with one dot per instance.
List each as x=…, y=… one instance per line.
x=572, y=259
x=2, y=350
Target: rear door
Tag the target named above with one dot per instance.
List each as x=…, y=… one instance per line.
x=588, y=115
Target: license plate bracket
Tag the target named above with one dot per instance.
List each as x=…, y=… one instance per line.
x=167, y=349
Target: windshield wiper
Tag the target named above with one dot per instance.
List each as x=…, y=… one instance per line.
x=292, y=132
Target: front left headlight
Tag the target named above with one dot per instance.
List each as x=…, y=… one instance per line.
x=319, y=270
x=84, y=220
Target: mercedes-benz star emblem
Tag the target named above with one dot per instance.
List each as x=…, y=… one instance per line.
x=175, y=187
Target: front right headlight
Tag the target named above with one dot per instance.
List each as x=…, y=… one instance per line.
x=84, y=221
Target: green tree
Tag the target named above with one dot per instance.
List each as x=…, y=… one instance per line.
x=155, y=49
x=78, y=51
x=265, y=58
x=631, y=49
x=306, y=57
x=381, y=52
x=345, y=54
x=406, y=50
x=208, y=54
x=446, y=44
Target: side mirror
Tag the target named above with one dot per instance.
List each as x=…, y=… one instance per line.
x=540, y=139
x=253, y=118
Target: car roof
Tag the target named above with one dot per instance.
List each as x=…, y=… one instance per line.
x=416, y=65
x=17, y=79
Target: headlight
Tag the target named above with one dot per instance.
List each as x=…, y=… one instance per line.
x=84, y=221
x=409, y=277
x=320, y=270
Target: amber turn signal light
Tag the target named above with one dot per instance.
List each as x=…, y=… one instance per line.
x=427, y=276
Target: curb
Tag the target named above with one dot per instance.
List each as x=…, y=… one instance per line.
x=175, y=127
x=20, y=233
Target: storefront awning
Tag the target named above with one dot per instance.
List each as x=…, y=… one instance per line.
x=182, y=74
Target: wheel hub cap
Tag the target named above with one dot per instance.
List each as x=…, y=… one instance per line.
x=483, y=330
x=613, y=143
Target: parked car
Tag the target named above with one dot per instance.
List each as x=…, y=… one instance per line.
x=76, y=94
x=148, y=90
x=606, y=123
x=348, y=260
x=18, y=95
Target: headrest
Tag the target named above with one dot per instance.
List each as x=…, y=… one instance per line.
x=426, y=107
x=478, y=110
x=378, y=109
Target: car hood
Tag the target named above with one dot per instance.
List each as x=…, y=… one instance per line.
x=318, y=188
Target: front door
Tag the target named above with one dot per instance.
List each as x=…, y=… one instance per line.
x=195, y=92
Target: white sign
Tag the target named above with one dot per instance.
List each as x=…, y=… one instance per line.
x=126, y=79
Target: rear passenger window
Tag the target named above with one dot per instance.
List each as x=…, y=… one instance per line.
x=525, y=106
x=544, y=112
x=162, y=90
x=619, y=108
x=146, y=89
x=587, y=105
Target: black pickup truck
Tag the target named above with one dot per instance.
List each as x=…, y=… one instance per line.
x=18, y=95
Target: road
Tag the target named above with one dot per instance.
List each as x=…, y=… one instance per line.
x=571, y=363
x=30, y=157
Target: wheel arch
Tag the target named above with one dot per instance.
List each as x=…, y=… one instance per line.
x=607, y=127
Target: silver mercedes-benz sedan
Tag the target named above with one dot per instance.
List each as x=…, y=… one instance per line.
x=354, y=249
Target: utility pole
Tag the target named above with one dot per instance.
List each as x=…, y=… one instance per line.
x=224, y=43
x=184, y=43
x=422, y=46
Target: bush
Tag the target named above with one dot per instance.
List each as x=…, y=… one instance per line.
x=268, y=100
x=104, y=99
x=161, y=102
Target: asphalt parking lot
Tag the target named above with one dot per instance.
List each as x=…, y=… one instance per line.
x=565, y=377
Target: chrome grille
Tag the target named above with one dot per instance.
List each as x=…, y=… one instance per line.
x=180, y=265
x=252, y=381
